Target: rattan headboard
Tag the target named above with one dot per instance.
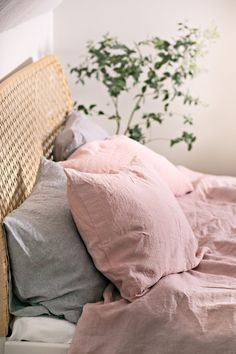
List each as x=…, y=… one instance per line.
x=33, y=106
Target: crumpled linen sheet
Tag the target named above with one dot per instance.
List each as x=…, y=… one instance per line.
x=192, y=312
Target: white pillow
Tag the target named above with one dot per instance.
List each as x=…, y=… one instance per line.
x=42, y=329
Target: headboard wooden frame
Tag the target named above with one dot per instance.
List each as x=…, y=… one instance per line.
x=33, y=106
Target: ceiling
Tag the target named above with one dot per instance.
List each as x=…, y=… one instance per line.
x=14, y=12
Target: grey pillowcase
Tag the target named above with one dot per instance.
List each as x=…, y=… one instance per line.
x=51, y=271
x=77, y=131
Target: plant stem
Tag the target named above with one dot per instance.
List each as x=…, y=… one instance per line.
x=115, y=102
x=132, y=113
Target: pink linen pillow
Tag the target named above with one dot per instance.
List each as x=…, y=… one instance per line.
x=117, y=152
x=132, y=226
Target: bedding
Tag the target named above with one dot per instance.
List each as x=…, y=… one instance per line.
x=51, y=271
x=132, y=226
x=78, y=130
x=117, y=152
x=190, y=312
x=41, y=329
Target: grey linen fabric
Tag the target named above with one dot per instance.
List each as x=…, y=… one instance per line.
x=50, y=269
x=77, y=131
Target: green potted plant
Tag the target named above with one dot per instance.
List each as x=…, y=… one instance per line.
x=154, y=69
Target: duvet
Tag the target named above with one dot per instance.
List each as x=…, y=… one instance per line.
x=192, y=312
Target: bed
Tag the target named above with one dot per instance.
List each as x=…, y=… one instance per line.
x=188, y=307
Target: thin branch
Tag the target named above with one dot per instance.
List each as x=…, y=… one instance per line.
x=132, y=113
x=138, y=51
x=115, y=102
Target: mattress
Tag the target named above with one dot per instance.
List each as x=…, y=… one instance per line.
x=17, y=347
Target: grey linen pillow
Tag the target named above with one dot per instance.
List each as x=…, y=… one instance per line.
x=77, y=131
x=51, y=271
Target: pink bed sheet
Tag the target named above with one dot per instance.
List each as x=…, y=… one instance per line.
x=192, y=312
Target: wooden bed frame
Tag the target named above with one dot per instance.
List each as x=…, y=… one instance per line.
x=33, y=105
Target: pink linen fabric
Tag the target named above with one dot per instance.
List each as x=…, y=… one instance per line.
x=190, y=312
x=103, y=156
x=132, y=226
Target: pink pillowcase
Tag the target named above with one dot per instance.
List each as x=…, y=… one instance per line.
x=117, y=152
x=132, y=226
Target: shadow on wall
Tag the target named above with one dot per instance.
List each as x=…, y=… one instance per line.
x=14, y=12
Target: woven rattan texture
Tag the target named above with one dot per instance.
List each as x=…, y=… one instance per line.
x=33, y=106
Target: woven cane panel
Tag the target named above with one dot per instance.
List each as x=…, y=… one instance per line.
x=33, y=106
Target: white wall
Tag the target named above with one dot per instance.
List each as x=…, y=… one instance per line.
x=76, y=21
x=33, y=38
